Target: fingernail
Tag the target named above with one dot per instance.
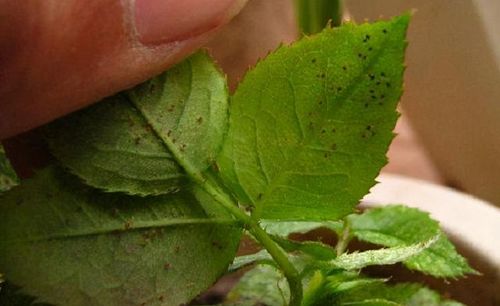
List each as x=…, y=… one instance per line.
x=162, y=21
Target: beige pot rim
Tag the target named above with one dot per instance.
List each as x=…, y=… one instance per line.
x=474, y=222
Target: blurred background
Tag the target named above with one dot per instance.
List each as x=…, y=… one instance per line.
x=449, y=132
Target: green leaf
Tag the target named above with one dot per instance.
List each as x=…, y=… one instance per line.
x=112, y=147
x=70, y=245
x=263, y=285
x=8, y=177
x=389, y=256
x=401, y=294
x=130, y=142
x=310, y=125
x=403, y=226
x=188, y=108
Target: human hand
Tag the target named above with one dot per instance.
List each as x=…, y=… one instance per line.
x=59, y=56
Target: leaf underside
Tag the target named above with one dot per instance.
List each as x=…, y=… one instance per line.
x=311, y=123
x=397, y=225
x=387, y=256
x=70, y=245
x=111, y=147
x=128, y=143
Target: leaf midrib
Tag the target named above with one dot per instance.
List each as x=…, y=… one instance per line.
x=429, y=251
x=122, y=228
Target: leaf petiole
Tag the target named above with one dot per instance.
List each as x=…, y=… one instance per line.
x=279, y=256
x=344, y=238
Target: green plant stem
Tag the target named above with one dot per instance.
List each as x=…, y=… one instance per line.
x=314, y=15
x=291, y=274
x=344, y=238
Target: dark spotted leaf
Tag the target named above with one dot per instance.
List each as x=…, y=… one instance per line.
x=133, y=142
x=68, y=245
x=310, y=124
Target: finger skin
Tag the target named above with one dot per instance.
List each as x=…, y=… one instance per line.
x=59, y=56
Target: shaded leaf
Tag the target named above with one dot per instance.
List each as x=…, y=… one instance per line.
x=322, y=289
x=401, y=294
x=310, y=124
x=263, y=285
x=132, y=142
x=70, y=245
x=11, y=295
x=8, y=177
x=402, y=226
x=280, y=230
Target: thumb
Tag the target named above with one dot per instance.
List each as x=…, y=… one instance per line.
x=59, y=56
